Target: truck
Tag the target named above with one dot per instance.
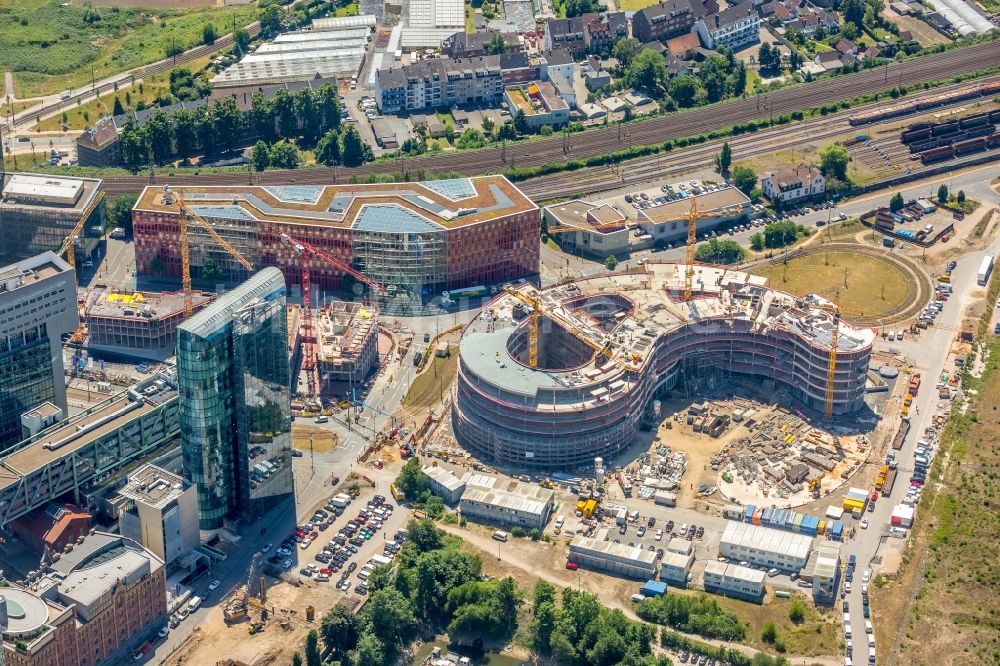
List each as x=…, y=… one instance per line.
x=900, y=437
x=880, y=480
x=890, y=478
x=985, y=268
x=914, y=383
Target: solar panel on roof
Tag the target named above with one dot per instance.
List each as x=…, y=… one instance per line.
x=392, y=218
x=454, y=189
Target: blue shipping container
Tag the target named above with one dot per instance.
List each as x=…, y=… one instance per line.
x=766, y=516
x=653, y=588
x=838, y=530
x=748, y=515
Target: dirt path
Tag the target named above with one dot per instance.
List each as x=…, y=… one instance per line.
x=528, y=562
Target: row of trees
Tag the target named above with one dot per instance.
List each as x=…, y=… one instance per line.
x=777, y=235
x=718, y=251
x=693, y=614
x=718, y=77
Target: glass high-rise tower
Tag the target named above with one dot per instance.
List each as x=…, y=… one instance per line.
x=234, y=379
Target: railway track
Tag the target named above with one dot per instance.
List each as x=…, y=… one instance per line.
x=610, y=139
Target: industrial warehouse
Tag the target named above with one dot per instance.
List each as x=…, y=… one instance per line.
x=406, y=239
x=606, y=349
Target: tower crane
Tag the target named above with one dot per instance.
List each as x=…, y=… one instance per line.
x=304, y=249
x=67, y=245
x=831, y=372
x=186, y=213
x=537, y=309
x=692, y=217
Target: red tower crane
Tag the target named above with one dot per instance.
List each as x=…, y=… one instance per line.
x=304, y=250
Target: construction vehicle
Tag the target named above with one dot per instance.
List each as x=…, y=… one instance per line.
x=254, y=627
x=187, y=214
x=914, y=383
x=67, y=245
x=814, y=485
x=239, y=608
x=305, y=251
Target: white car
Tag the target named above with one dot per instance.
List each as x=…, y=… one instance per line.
x=659, y=535
x=864, y=523
x=866, y=576
x=214, y=585
x=162, y=633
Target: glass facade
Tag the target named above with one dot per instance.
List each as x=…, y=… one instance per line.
x=26, y=380
x=234, y=378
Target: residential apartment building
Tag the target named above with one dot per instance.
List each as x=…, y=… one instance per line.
x=233, y=371
x=675, y=567
x=791, y=185
x=733, y=580
x=464, y=44
x=518, y=68
x=601, y=31
x=38, y=212
x=37, y=307
x=440, y=82
x=540, y=102
x=670, y=18
x=92, y=605
x=567, y=33
x=160, y=512
x=735, y=27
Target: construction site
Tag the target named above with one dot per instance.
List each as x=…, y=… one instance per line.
x=592, y=361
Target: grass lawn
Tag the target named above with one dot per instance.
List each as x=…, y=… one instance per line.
x=823, y=273
x=349, y=10
x=52, y=46
x=429, y=385
x=817, y=635
x=83, y=116
x=14, y=108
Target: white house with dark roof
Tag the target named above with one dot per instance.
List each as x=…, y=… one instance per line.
x=790, y=185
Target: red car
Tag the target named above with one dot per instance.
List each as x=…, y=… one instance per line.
x=299, y=533
x=572, y=566
x=328, y=572
x=313, y=536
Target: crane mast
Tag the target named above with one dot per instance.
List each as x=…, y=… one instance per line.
x=831, y=373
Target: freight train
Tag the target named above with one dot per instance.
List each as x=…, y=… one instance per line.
x=903, y=108
x=960, y=148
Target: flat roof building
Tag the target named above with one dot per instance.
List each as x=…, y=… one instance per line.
x=825, y=571
x=160, y=512
x=416, y=239
x=232, y=367
x=675, y=568
x=81, y=451
x=37, y=308
x=616, y=558
x=106, y=593
x=38, y=212
x=445, y=484
x=135, y=323
x=347, y=344
x=667, y=223
x=732, y=580
x=599, y=229
x=765, y=546
x=513, y=503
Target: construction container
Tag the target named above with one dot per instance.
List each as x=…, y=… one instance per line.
x=838, y=530
x=756, y=516
x=665, y=498
x=810, y=525
x=902, y=516
x=748, y=514
x=797, y=522
x=853, y=505
x=821, y=527
x=857, y=494
x=766, y=517
x=732, y=512
x=653, y=588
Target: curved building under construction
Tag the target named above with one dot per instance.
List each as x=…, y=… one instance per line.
x=608, y=347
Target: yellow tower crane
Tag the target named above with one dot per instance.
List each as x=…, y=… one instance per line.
x=185, y=214
x=67, y=245
x=831, y=372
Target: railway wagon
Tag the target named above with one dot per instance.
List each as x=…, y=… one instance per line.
x=970, y=146
x=915, y=134
x=974, y=121
x=957, y=95
x=936, y=155
x=945, y=128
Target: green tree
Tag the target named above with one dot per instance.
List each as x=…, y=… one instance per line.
x=260, y=155
x=507, y=131
x=285, y=155
x=853, y=11
x=744, y=178
x=353, y=149
x=379, y=578
x=489, y=127
x=369, y=652
x=769, y=634
x=241, y=40
x=520, y=121
x=270, y=20
x=797, y=611
x=211, y=270
x=228, y=123
x=208, y=34
x=611, y=263
x=328, y=149
x=471, y=138
x=329, y=107
x=717, y=251
x=283, y=104
x=261, y=117
x=423, y=534
x=390, y=615
x=942, y=193
x=684, y=90
x=496, y=45
x=579, y=7
x=310, y=117
x=185, y=133
x=434, y=507
x=160, y=130
x=724, y=159
x=413, y=482
x=134, y=145
x=960, y=197
x=625, y=50
x=648, y=72
x=782, y=233
x=296, y=659
x=119, y=212
x=340, y=630
x=833, y=161
x=896, y=203
x=313, y=657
